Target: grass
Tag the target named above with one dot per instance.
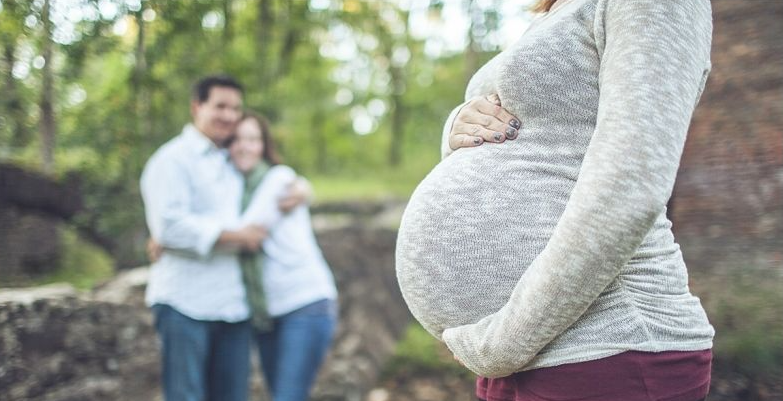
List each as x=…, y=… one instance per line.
x=372, y=183
x=418, y=353
x=336, y=188
x=82, y=264
x=745, y=310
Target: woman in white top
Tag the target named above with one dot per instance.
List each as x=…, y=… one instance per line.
x=299, y=294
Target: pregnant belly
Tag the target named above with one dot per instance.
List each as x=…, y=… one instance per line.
x=470, y=230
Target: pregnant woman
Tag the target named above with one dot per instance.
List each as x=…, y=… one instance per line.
x=546, y=263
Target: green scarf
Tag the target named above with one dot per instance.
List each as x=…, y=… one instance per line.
x=253, y=263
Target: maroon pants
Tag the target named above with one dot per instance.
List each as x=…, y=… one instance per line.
x=703, y=399
x=628, y=376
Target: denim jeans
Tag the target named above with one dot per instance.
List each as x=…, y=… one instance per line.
x=202, y=360
x=292, y=352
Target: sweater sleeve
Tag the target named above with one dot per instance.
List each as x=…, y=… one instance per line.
x=654, y=59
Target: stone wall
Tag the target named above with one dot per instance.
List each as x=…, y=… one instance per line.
x=58, y=345
x=728, y=199
x=29, y=243
x=31, y=206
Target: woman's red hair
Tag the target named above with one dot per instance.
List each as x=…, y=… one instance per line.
x=543, y=6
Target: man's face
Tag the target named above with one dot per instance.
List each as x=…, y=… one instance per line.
x=218, y=115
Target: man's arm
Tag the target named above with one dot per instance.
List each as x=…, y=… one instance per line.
x=167, y=201
x=247, y=238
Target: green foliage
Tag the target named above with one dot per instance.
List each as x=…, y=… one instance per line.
x=419, y=353
x=120, y=93
x=746, y=313
x=84, y=265
x=374, y=184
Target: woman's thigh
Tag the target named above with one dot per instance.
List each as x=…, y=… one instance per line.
x=300, y=342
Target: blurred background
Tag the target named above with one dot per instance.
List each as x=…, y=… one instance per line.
x=357, y=92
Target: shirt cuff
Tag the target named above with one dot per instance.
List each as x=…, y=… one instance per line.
x=208, y=238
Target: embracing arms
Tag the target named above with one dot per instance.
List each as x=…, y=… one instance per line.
x=172, y=223
x=199, y=235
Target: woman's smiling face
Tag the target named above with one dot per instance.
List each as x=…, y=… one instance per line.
x=248, y=145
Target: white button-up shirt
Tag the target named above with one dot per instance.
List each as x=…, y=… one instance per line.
x=191, y=193
x=295, y=272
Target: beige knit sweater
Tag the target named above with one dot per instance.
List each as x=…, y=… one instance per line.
x=555, y=247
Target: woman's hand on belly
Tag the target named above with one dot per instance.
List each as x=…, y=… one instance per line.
x=482, y=119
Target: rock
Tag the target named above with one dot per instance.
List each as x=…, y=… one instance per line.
x=31, y=206
x=125, y=288
x=378, y=394
x=29, y=244
x=373, y=315
x=27, y=296
x=59, y=345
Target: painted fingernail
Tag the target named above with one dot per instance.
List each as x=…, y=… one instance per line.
x=477, y=141
x=511, y=133
x=514, y=123
x=498, y=136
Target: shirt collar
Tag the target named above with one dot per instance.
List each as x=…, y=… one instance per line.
x=198, y=141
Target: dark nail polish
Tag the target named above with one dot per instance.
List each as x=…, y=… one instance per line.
x=477, y=141
x=511, y=133
x=514, y=123
x=498, y=136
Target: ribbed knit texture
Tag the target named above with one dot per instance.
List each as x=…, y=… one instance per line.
x=555, y=247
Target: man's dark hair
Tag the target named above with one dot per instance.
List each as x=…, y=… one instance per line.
x=204, y=85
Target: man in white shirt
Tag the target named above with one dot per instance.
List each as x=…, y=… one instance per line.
x=192, y=197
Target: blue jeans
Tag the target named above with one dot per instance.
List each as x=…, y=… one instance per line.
x=202, y=360
x=293, y=351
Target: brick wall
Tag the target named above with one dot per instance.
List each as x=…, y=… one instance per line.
x=727, y=206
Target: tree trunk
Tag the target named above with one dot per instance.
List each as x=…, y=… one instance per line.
x=264, y=40
x=12, y=102
x=290, y=37
x=398, y=116
x=319, y=138
x=389, y=42
x=48, y=126
x=471, y=54
x=141, y=92
x=228, y=20
x=141, y=60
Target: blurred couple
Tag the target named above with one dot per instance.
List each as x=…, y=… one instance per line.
x=234, y=257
